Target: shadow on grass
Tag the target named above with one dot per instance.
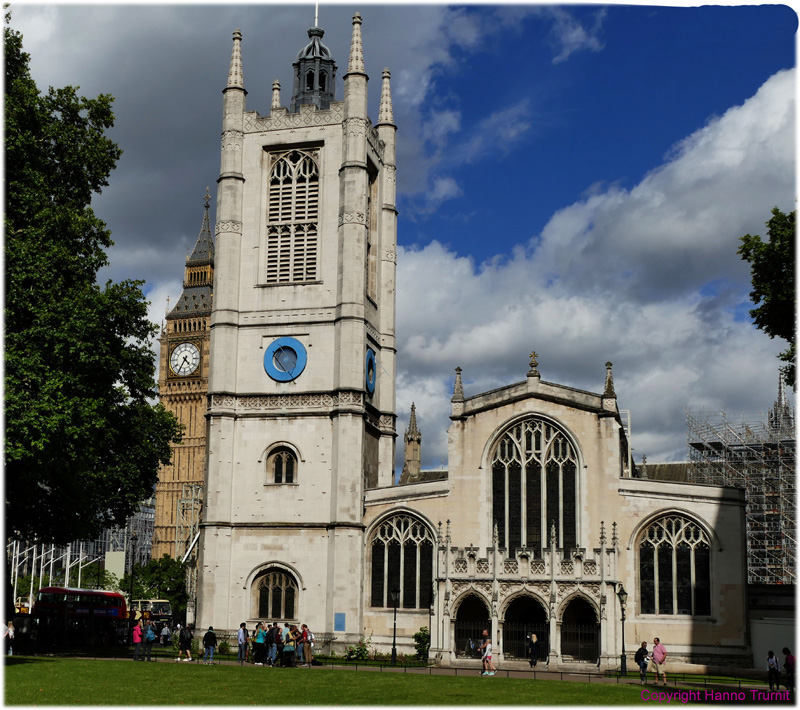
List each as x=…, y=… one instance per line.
x=22, y=660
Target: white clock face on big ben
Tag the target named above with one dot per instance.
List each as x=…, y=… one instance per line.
x=185, y=359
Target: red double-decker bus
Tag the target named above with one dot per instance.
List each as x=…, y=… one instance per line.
x=71, y=617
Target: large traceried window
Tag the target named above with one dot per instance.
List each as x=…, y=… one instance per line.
x=402, y=558
x=534, y=487
x=674, y=568
x=293, y=217
x=276, y=595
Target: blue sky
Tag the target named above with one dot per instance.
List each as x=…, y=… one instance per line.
x=571, y=179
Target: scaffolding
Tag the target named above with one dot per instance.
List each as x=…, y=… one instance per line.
x=756, y=453
x=187, y=530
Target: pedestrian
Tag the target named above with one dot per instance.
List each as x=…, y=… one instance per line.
x=137, y=641
x=8, y=635
x=272, y=648
x=278, y=644
x=299, y=644
x=259, y=644
x=642, y=658
x=166, y=635
x=288, y=647
x=209, y=643
x=241, y=638
x=150, y=637
x=659, y=659
x=308, y=641
x=486, y=654
x=773, y=671
x=788, y=669
x=533, y=650
x=185, y=637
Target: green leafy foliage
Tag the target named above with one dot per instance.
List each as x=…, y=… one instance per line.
x=359, y=652
x=159, y=579
x=422, y=642
x=83, y=440
x=772, y=266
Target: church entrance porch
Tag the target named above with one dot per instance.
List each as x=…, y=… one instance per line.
x=525, y=616
x=471, y=619
x=580, y=633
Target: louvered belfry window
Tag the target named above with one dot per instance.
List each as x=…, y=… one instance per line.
x=293, y=217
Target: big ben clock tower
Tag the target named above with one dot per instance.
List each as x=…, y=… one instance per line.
x=183, y=387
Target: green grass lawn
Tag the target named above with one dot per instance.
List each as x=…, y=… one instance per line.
x=57, y=681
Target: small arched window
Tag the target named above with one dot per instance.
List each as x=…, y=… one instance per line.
x=275, y=595
x=310, y=80
x=674, y=568
x=282, y=466
x=402, y=560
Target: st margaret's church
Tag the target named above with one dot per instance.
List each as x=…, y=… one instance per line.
x=541, y=523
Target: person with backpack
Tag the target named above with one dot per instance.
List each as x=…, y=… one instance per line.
x=270, y=645
x=150, y=637
x=185, y=643
x=209, y=643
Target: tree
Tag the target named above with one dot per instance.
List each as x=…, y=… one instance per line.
x=160, y=579
x=83, y=440
x=772, y=272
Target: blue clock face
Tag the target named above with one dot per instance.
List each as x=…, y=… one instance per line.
x=285, y=359
x=371, y=371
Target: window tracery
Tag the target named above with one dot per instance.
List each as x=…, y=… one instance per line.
x=276, y=595
x=402, y=558
x=282, y=466
x=293, y=216
x=674, y=568
x=534, y=486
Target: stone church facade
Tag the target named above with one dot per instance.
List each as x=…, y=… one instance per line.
x=541, y=518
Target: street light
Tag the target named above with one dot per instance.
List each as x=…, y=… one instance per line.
x=623, y=598
x=394, y=596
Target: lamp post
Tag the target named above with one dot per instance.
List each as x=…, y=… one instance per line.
x=394, y=596
x=623, y=598
x=133, y=575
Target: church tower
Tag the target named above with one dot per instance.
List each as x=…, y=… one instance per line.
x=183, y=389
x=301, y=415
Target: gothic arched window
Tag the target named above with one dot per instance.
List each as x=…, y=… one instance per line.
x=402, y=559
x=275, y=595
x=674, y=568
x=282, y=466
x=292, y=217
x=534, y=487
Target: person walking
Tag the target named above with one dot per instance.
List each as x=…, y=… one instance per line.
x=486, y=654
x=788, y=669
x=137, y=641
x=533, y=650
x=641, y=659
x=659, y=659
x=185, y=643
x=241, y=638
x=166, y=635
x=150, y=637
x=773, y=671
x=209, y=644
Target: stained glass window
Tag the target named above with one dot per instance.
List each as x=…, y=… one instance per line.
x=674, y=569
x=402, y=558
x=526, y=506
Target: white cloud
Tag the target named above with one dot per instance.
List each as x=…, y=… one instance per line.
x=618, y=276
x=571, y=36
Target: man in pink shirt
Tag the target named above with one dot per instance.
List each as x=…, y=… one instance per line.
x=659, y=659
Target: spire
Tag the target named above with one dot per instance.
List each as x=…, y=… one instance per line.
x=781, y=416
x=235, y=76
x=314, y=74
x=385, y=113
x=203, y=251
x=356, y=63
x=413, y=432
x=609, y=390
x=458, y=388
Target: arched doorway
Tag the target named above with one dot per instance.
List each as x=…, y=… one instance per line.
x=472, y=618
x=525, y=616
x=580, y=632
